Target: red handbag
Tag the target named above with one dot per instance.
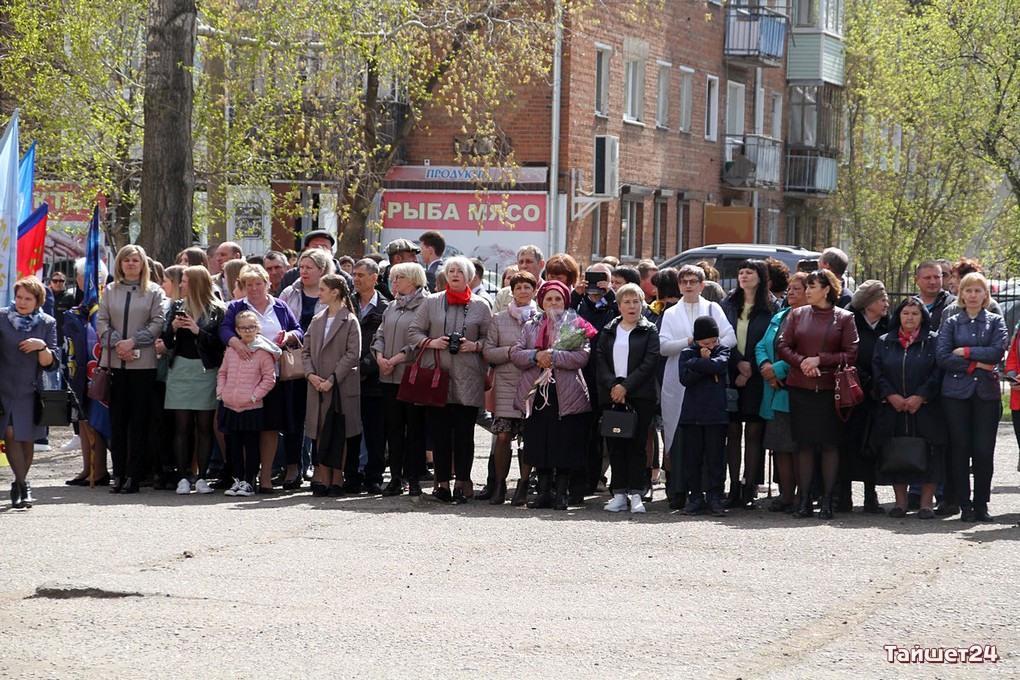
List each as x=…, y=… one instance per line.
x=422, y=385
x=849, y=392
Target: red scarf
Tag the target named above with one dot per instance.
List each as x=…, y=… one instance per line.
x=461, y=298
x=906, y=339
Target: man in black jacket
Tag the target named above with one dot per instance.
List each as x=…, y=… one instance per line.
x=371, y=306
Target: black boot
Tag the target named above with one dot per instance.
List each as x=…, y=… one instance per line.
x=871, y=505
x=844, y=497
x=562, y=483
x=734, y=499
x=545, y=496
x=806, y=508
x=825, y=507
x=750, y=492
x=499, y=497
x=521, y=494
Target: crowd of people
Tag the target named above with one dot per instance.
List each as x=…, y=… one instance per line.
x=371, y=375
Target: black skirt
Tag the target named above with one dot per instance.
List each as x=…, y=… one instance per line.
x=551, y=441
x=231, y=421
x=813, y=417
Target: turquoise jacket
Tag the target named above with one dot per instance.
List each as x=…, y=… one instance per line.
x=765, y=351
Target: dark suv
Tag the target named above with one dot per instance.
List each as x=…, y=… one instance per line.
x=726, y=257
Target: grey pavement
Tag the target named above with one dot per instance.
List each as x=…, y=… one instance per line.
x=158, y=586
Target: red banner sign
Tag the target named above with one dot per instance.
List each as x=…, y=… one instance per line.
x=452, y=210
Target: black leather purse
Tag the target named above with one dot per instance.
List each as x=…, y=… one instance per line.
x=619, y=423
x=907, y=455
x=54, y=401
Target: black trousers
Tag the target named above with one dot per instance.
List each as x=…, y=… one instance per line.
x=374, y=436
x=130, y=419
x=453, y=440
x=628, y=458
x=704, y=453
x=972, y=424
x=244, y=454
x=404, y=427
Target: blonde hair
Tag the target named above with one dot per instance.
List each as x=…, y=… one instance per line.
x=321, y=259
x=127, y=251
x=252, y=271
x=247, y=314
x=412, y=271
x=173, y=274
x=200, y=301
x=630, y=290
x=976, y=279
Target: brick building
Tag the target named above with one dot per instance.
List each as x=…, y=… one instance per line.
x=724, y=129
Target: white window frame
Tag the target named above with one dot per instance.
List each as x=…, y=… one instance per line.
x=736, y=104
x=603, y=61
x=630, y=213
x=596, y=229
x=634, y=90
x=686, y=98
x=662, y=109
x=661, y=207
x=777, y=116
x=711, y=108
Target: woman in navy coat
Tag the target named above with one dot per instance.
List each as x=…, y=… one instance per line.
x=28, y=344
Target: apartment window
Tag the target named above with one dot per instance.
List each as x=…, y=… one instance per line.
x=659, y=229
x=683, y=216
x=805, y=12
x=773, y=228
x=596, y=230
x=777, y=116
x=711, y=108
x=630, y=219
x=602, y=54
x=734, y=109
x=833, y=15
x=662, y=111
x=815, y=117
x=633, y=90
x=824, y=14
x=759, y=110
x=686, y=98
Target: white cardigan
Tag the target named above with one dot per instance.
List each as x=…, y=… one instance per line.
x=675, y=336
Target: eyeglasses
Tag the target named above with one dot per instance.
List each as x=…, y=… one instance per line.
x=58, y=280
x=246, y=329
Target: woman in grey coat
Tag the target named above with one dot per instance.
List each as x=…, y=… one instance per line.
x=28, y=344
x=454, y=322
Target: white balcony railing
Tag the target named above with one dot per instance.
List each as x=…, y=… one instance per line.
x=753, y=161
x=810, y=173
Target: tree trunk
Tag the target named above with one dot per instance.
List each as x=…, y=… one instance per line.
x=168, y=175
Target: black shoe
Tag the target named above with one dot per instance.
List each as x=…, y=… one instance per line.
x=319, y=490
x=777, y=505
x=561, y=502
x=968, y=515
x=543, y=501
x=292, y=484
x=578, y=500
x=805, y=510
x=78, y=481
x=222, y=484
x=16, y=500
x=427, y=477
x=335, y=491
x=394, y=488
x=266, y=490
x=102, y=481
x=750, y=492
x=947, y=509
x=374, y=488
x=485, y=494
x=442, y=494
x=458, y=496
x=413, y=488
x=520, y=494
x=499, y=497
x=734, y=499
x=352, y=488
x=28, y=499
x=844, y=504
x=913, y=501
x=897, y=513
x=118, y=485
x=871, y=506
x=130, y=486
x=980, y=514
x=825, y=508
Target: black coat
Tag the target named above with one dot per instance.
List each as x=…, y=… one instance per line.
x=750, y=395
x=857, y=453
x=705, y=380
x=598, y=317
x=368, y=368
x=210, y=346
x=642, y=362
x=910, y=372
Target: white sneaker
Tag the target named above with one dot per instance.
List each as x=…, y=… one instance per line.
x=617, y=504
x=245, y=490
x=42, y=447
x=202, y=486
x=232, y=491
x=637, y=506
x=73, y=444
x=183, y=487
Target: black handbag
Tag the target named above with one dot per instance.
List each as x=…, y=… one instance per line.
x=619, y=424
x=54, y=402
x=908, y=455
x=732, y=400
x=330, y=448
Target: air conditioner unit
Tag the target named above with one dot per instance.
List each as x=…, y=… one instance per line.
x=607, y=165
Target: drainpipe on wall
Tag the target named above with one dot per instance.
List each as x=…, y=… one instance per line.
x=553, y=208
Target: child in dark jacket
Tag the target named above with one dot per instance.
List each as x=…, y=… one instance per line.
x=703, y=417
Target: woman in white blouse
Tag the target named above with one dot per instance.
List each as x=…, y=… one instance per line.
x=675, y=336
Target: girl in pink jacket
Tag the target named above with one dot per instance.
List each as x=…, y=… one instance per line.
x=241, y=383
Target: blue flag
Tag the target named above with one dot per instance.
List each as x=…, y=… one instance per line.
x=91, y=274
x=26, y=184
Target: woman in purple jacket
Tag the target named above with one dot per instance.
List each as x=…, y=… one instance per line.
x=969, y=347
x=281, y=327
x=554, y=427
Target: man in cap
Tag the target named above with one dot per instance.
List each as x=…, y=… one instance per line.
x=398, y=251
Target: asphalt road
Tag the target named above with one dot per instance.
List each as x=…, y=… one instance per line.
x=158, y=586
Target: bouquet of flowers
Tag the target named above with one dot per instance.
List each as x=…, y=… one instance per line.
x=566, y=332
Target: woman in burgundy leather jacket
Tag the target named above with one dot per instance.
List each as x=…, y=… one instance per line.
x=819, y=337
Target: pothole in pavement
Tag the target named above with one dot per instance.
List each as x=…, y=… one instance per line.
x=70, y=593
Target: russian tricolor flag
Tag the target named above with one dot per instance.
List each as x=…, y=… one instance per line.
x=32, y=241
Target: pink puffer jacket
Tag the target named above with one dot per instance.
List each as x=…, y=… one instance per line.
x=238, y=381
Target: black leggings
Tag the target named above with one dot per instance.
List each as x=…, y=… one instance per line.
x=628, y=458
x=244, y=454
x=453, y=440
x=193, y=433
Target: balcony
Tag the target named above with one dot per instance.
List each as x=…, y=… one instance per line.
x=755, y=35
x=810, y=173
x=752, y=161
